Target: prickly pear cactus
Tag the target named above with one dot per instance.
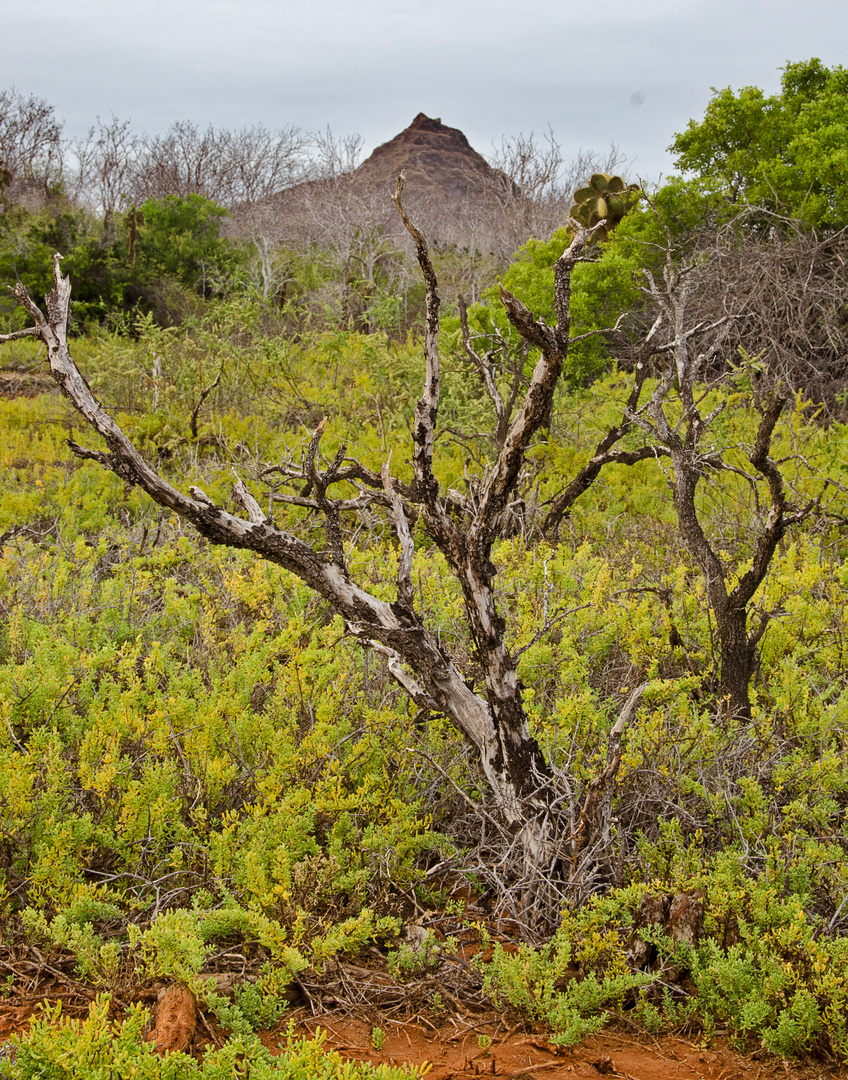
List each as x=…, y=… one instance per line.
x=607, y=198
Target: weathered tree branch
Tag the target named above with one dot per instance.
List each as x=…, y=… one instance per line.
x=407, y=548
x=204, y=394
x=604, y=455
x=484, y=366
x=595, y=819
x=537, y=403
x=775, y=527
x=495, y=721
x=427, y=409
x=247, y=502
x=318, y=483
x=30, y=331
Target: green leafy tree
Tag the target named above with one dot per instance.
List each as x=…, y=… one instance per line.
x=28, y=239
x=180, y=238
x=172, y=240
x=788, y=152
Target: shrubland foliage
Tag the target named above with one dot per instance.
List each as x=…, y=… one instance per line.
x=193, y=751
x=63, y=1049
x=195, y=756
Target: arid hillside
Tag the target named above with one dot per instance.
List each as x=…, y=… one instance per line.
x=450, y=186
x=439, y=163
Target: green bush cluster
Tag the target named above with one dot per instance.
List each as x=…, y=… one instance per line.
x=191, y=750
x=766, y=969
x=162, y=258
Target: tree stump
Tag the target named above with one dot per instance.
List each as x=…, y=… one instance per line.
x=175, y=1020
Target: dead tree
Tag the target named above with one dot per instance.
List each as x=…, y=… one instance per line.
x=561, y=837
x=686, y=346
x=232, y=168
x=105, y=162
x=499, y=359
x=791, y=284
x=31, y=149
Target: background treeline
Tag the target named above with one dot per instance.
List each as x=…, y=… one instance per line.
x=157, y=223
x=165, y=224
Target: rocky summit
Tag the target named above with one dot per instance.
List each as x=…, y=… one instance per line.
x=437, y=160
x=451, y=191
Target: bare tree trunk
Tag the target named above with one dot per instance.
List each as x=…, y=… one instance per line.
x=738, y=659
x=681, y=436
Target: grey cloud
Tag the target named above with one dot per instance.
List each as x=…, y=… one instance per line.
x=486, y=67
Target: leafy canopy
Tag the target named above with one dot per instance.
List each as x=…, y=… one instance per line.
x=180, y=238
x=788, y=152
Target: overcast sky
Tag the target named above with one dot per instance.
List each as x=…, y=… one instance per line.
x=631, y=72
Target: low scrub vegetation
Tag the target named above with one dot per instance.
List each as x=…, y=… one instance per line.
x=194, y=751
x=207, y=766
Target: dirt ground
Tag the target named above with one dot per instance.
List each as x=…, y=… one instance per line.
x=457, y=1050
x=454, y=1051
